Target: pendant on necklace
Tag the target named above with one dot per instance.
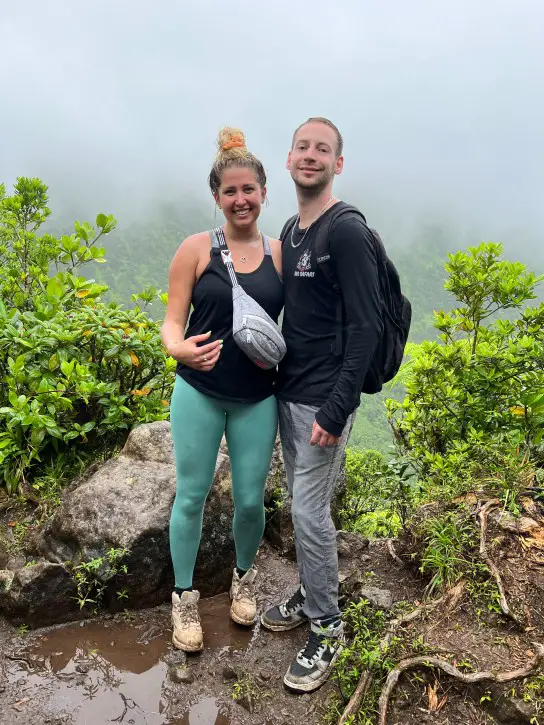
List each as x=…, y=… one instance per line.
x=243, y=259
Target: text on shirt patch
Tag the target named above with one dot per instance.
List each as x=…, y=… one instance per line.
x=304, y=266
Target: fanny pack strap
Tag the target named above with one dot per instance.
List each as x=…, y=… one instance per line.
x=226, y=256
x=219, y=242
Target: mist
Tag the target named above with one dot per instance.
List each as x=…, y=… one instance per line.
x=117, y=105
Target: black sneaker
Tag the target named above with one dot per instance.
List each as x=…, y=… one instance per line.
x=288, y=615
x=313, y=664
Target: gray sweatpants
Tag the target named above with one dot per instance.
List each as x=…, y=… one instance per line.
x=311, y=476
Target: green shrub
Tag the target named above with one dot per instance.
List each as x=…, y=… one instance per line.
x=76, y=374
x=378, y=494
x=474, y=405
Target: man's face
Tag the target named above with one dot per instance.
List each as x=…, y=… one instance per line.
x=312, y=161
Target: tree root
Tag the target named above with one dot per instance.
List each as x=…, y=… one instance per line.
x=450, y=599
x=449, y=669
x=355, y=700
x=482, y=515
x=393, y=553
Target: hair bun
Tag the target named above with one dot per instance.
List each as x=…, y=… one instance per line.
x=231, y=141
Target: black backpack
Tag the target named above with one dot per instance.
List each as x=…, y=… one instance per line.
x=397, y=310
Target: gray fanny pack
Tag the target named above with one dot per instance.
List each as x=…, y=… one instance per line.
x=253, y=330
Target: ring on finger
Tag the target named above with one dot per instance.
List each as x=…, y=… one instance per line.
x=205, y=358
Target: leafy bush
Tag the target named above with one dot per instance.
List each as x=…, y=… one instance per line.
x=378, y=494
x=475, y=398
x=73, y=370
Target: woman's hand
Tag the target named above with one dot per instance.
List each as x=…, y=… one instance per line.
x=198, y=357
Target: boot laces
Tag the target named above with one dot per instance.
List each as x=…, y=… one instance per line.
x=246, y=590
x=189, y=612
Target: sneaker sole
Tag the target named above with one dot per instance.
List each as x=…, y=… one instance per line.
x=315, y=684
x=273, y=627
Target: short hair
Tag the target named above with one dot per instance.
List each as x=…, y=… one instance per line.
x=232, y=151
x=330, y=124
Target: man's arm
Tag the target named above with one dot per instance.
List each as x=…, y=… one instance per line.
x=354, y=256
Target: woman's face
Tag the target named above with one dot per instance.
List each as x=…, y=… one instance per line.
x=240, y=196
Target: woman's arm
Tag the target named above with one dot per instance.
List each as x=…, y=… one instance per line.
x=181, y=280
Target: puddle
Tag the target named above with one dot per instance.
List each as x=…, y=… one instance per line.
x=113, y=671
x=204, y=712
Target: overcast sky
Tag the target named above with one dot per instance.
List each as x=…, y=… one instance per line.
x=116, y=102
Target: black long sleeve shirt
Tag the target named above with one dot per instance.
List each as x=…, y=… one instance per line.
x=314, y=371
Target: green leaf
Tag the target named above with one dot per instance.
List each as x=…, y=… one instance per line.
x=55, y=288
x=126, y=358
x=37, y=436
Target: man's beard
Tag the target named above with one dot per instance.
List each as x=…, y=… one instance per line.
x=312, y=188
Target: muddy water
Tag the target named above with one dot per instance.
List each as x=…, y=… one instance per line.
x=107, y=672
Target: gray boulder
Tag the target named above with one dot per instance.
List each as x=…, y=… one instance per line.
x=352, y=558
x=42, y=593
x=376, y=597
x=125, y=504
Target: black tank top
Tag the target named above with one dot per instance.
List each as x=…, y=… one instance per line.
x=234, y=377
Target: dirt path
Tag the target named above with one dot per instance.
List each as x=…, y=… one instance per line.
x=122, y=669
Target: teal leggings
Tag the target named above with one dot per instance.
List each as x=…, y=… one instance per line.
x=198, y=423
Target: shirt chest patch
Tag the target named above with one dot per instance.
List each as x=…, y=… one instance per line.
x=304, y=265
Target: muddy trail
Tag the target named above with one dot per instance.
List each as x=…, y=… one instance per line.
x=122, y=668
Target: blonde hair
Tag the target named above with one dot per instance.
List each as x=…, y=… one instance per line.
x=232, y=151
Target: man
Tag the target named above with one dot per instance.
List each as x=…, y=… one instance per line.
x=319, y=385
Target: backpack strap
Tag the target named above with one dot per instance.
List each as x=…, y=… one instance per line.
x=326, y=264
x=322, y=242
x=287, y=228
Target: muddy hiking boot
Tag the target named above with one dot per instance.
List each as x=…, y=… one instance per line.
x=243, y=609
x=313, y=663
x=288, y=615
x=187, y=631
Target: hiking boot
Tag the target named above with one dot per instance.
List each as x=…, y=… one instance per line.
x=313, y=664
x=244, y=602
x=187, y=632
x=288, y=615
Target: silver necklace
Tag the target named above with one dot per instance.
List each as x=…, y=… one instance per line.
x=309, y=225
x=243, y=258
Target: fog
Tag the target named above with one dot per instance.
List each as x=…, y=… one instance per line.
x=117, y=104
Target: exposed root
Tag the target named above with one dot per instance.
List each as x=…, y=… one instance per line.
x=482, y=515
x=393, y=553
x=355, y=700
x=449, y=669
x=450, y=600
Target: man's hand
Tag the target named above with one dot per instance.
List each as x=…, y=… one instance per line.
x=321, y=438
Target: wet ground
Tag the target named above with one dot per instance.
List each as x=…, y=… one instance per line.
x=123, y=669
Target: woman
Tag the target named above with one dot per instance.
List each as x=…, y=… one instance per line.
x=218, y=389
